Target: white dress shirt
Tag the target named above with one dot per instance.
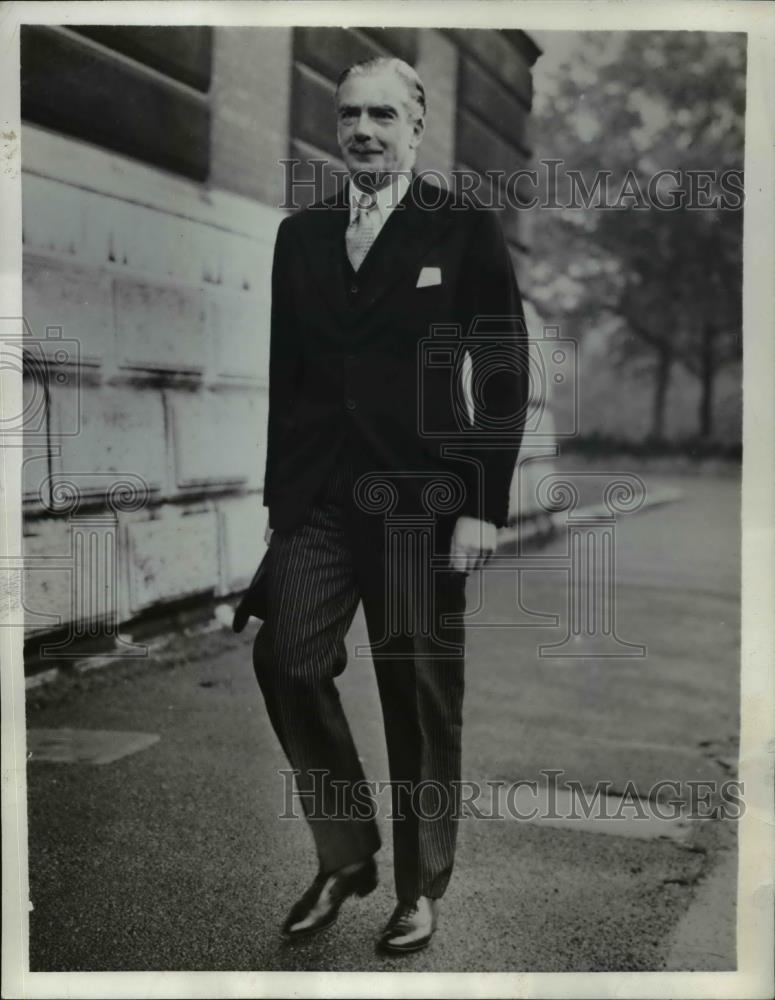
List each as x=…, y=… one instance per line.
x=387, y=199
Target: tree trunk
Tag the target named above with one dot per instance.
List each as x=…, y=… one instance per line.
x=707, y=378
x=661, y=383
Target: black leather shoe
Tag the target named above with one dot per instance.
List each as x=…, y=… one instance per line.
x=411, y=927
x=319, y=906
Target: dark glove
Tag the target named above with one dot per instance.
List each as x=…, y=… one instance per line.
x=255, y=600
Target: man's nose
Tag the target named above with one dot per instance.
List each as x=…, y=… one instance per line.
x=364, y=128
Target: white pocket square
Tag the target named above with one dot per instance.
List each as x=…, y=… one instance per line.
x=429, y=276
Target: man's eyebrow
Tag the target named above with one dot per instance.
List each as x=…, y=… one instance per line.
x=349, y=108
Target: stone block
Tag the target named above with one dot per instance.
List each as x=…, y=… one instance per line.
x=159, y=328
x=170, y=556
x=217, y=437
x=145, y=240
x=120, y=431
x=241, y=263
x=242, y=524
x=238, y=332
x=53, y=217
x=72, y=574
x=73, y=298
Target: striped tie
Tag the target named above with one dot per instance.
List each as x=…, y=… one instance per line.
x=362, y=231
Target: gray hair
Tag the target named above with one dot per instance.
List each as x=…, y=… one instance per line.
x=408, y=74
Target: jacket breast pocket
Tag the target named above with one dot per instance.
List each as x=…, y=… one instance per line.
x=429, y=276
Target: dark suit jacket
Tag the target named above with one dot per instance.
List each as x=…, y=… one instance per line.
x=375, y=358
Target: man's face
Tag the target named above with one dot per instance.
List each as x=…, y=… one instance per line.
x=374, y=128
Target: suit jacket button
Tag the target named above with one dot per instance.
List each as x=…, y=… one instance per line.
x=353, y=289
x=350, y=404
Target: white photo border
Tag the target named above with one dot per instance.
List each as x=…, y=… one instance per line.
x=754, y=977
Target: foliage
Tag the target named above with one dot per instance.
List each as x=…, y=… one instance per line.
x=665, y=282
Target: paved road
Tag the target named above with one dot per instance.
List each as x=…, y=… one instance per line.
x=174, y=858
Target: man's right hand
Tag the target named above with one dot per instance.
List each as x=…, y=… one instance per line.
x=267, y=535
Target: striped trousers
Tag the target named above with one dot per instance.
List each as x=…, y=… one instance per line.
x=318, y=574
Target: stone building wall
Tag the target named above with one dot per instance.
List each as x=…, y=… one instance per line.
x=147, y=291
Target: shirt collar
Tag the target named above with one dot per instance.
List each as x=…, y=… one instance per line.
x=387, y=197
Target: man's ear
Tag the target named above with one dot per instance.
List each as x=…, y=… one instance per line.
x=418, y=130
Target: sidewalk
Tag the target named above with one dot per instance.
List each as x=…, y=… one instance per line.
x=173, y=857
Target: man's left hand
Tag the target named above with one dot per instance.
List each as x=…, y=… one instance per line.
x=473, y=542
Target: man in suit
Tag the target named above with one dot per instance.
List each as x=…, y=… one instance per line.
x=382, y=489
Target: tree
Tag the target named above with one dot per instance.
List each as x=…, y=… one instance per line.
x=656, y=254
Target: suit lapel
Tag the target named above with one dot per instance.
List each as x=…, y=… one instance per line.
x=411, y=229
x=323, y=245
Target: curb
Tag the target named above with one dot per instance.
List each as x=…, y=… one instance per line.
x=555, y=520
x=540, y=528
x=705, y=938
